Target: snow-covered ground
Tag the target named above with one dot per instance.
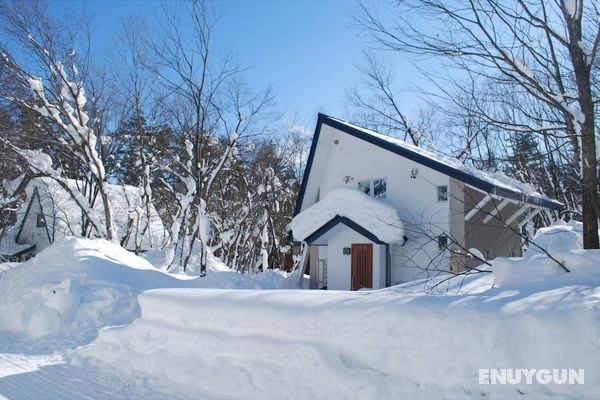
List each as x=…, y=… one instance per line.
x=402, y=342
x=63, y=296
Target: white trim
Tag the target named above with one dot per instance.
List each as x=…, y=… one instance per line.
x=535, y=212
x=516, y=215
x=496, y=210
x=482, y=203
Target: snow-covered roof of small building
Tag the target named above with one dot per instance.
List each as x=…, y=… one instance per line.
x=10, y=248
x=354, y=208
x=64, y=216
x=496, y=183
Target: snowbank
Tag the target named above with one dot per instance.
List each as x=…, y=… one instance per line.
x=562, y=240
x=74, y=287
x=558, y=237
x=358, y=345
x=379, y=218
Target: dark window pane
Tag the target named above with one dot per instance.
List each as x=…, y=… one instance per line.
x=442, y=242
x=442, y=193
x=379, y=188
x=41, y=221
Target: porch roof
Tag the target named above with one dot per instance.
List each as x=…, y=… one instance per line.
x=372, y=218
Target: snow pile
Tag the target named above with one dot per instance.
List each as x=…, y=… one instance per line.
x=74, y=287
x=558, y=237
x=356, y=345
x=379, y=218
x=564, y=243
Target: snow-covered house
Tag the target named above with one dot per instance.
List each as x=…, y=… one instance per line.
x=375, y=211
x=50, y=212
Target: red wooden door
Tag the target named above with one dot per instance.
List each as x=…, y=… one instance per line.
x=362, y=266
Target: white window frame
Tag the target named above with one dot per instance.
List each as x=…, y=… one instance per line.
x=371, y=183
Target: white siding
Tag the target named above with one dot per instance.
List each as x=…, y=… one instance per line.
x=415, y=199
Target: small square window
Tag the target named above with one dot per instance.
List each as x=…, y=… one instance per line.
x=365, y=186
x=442, y=242
x=41, y=221
x=442, y=193
x=379, y=188
x=374, y=187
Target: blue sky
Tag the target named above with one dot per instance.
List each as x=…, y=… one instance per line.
x=306, y=50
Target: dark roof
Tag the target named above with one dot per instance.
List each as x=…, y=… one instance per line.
x=17, y=252
x=456, y=170
x=341, y=220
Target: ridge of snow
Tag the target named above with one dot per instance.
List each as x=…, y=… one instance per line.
x=390, y=343
x=70, y=290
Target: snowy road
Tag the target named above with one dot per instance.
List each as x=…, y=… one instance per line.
x=49, y=377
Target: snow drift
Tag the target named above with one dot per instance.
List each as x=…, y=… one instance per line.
x=74, y=287
x=392, y=343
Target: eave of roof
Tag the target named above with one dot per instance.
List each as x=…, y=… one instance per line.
x=19, y=252
x=341, y=220
x=462, y=176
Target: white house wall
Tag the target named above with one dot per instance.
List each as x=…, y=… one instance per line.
x=415, y=199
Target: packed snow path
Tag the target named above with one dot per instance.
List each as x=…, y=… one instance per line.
x=26, y=377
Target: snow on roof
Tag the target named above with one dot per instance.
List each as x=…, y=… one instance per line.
x=63, y=215
x=495, y=179
x=375, y=216
x=9, y=247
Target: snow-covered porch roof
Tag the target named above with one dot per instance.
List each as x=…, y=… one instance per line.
x=374, y=219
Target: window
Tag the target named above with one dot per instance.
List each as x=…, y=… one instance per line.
x=365, y=186
x=379, y=188
x=374, y=187
x=41, y=221
x=442, y=193
x=442, y=242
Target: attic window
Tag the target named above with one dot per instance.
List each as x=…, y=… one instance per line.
x=376, y=188
x=442, y=193
x=41, y=221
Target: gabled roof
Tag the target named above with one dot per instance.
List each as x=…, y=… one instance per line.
x=496, y=184
x=35, y=197
x=63, y=215
x=333, y=222
x=374, y=219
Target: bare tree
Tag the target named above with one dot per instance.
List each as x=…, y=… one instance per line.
x=212, y=110
x=59, y=97
x=543, y=50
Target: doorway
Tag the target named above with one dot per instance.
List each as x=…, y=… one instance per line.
x=362, y=266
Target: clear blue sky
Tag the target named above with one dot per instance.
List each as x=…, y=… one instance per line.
x=306, y=50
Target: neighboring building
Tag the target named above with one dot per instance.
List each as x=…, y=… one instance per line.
x=50, y=212
x=442, y=209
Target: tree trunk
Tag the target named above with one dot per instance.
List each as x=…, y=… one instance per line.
x=589, y=175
